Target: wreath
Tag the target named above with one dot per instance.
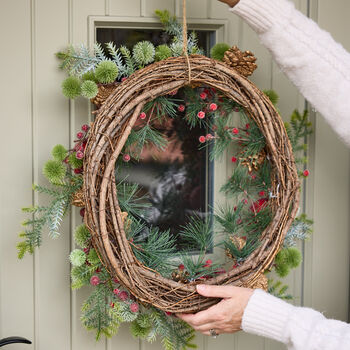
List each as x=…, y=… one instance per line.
x=136, y=268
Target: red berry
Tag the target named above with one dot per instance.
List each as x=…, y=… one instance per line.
x=253, y=177
x=168, y=313
x=86, y=250
x=115, y=280
x=94, y=281
x=208, y=263
x=233, y=159
x=85, y=127
x=82, y=212
x=124, y=78
x=116, y=291
x=220, y=271
x=111, y=304
x=143, y=115
x=202, y=139
x=79, y=155
x=78, y=171
x=306, y=173
x=123, y=295
x=235, y=131
x=236, y=109
x=98, y=270
x=258, y=205
x=234, y=266
x=134, y=307
x=172, y=93
x=213, y=107
x=181, y=267
x=126, y=157
x=201, y=115
x=247, y=126
x=261, y=193
x=209, y=136
x=80, y=135
x=245, y=201
x=181, y=108
x=203, y=95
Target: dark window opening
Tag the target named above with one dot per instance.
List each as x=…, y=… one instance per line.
x=179, y=179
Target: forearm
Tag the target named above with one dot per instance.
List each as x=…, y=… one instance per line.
x=312, y=60
x=298, y=328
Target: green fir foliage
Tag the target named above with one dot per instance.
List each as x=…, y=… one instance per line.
x=79, y=60
x=279, y=290
x=298, y=129
x=218, y=50
x=301, y=230
x=98, y=315
x=131, y=200
x=154, y=249
x=287, y=259
x=197, y=234
x=272, y=95
x=175, y=334
x=106, y=72
x=71, y=87
x=49, y=216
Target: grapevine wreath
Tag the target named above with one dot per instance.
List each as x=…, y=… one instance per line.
x=135, y=267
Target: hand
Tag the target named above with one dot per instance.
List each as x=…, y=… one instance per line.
x=224, y=317
x=230, y=3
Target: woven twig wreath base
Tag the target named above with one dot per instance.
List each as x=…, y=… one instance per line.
x=109, y=132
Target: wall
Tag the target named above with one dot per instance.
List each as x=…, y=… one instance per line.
x=35, y=297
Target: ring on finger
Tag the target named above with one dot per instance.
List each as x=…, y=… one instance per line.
x=213, y=333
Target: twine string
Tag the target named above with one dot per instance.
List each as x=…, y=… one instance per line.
x=184, y=39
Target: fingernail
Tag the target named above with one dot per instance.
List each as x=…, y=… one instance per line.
x=201, y=287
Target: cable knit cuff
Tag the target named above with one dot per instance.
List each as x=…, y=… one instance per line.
x=267, y=316
x=261, y=15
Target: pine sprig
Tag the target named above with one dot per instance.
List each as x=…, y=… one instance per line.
x=298, y=128
x=301, y=230
x=130, y=64
x=97, y=313
x=145, y=136
x=50, y=216
x=197, y=234
x=130, y=200
x=78, y=61
x=175, y=334
x=154, y=249
x=279, y=290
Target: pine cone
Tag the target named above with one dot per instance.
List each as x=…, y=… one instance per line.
x=104, y=90
x=242, y=62
x=78, y=199
x=261, y=283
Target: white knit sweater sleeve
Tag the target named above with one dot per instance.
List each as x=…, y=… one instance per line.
x=308, y=55
x=300, y=328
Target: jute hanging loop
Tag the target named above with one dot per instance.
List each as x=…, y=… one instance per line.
x=109, y=132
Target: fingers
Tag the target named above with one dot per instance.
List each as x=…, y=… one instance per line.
x=217, y=291
x=203, y=317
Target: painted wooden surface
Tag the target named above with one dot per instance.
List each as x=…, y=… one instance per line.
x=35, y=296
